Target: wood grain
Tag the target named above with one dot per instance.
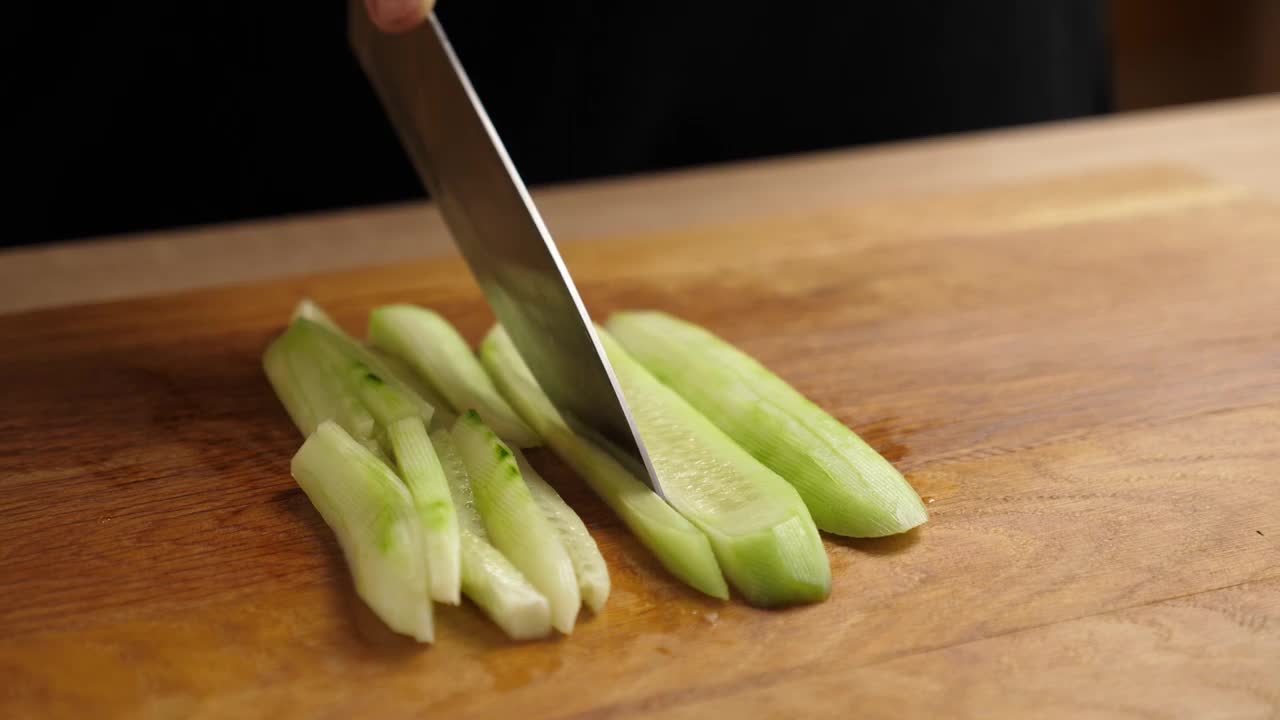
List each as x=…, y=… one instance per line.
x=1234, y=141
x=1082, y=376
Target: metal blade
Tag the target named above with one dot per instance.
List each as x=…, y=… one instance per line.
x=464, y=166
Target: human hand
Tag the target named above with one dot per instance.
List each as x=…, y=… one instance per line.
x=396, y=16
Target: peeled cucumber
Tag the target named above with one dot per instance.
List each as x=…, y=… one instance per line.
x=430, y=345
x=681, y=548
x=488, y=577
x=514, y=522
x=588, y=563
x=328, y=370
x=372, y=515
x=849, y=488
x=759, y=527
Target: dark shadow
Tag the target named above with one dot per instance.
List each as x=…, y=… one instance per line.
x=366, y=631
x=890, y=545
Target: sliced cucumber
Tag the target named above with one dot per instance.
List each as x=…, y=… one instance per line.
x=514, y=522
x=488, y=577
x=307, y=309
x=679, y=546
x=328, y=368
x=422, y=474
x=432, y=347
x=759, y=527
x=372, y=515
x=317, y=325
x=588, y=563
x=399, y=417
x=849, y=488
x=443, y=416
x=308, y=392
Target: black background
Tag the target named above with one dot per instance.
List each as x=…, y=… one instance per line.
x=146, y=115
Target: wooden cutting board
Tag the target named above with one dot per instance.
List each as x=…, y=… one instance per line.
x=1081, y=377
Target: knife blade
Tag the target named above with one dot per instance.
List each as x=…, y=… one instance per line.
x=491, y=216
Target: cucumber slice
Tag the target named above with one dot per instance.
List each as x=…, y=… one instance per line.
x=514, y=522
x=588, y=563
x=345, y=387
x=396, y=368
x=681, y=548
x=422, y=474
x=307, y=309
x=310, y=394
x=372, y=515
x=759, y=527
x=432, y=347
x=399, y=417
x=849, y=488
x=488, y=578
x=308, y=314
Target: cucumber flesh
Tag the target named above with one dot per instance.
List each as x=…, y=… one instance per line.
x=681, y=548
x=430, y=345
x=423, y=475
x=759, y=527
x=588, y=563
x=328, y=361
x=307, y=309
x=396, y=368
x=514, y=522
x=308, y=392
x=372, y=515
x=488, y=577
x=849, y=488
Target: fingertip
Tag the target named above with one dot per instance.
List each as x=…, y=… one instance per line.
x=397, y=16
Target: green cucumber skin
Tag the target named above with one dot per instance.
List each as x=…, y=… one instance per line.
x=680, y=547
x=760, y=528
x=848, y=487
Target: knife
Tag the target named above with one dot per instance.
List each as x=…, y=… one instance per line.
x=463, y=164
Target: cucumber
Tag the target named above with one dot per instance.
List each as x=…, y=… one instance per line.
x=337, y=383
x=308, y=392
x=307, y=309
x=588, y=563
x=849, y=488
x=488, y=577
x=399, y=418
x=430, y=345
x=681, y=548
x=513, y=520
x=759, y=527
x=422, y=474
x=396, y=368
x=372, y=515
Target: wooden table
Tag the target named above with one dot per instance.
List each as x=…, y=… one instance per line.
x=1065, y=337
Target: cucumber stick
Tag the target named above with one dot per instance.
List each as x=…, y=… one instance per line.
x=372, y=515
x=681, y=548
x=405, y=436
x=849, y=488
x=759, y=527
x=331, y=370
x=588, y=563
x=514, y=522
x=423, y=475
x=488, y=577
x=430, y=345
x=308, y=392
